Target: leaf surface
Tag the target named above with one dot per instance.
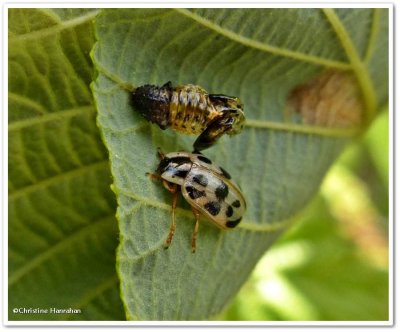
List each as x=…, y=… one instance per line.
x=261, y=56
x=62, y=230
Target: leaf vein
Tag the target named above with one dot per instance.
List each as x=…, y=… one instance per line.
x=305, y=129
x=50, y=116
x=373, y=37
x=43, y=184
x=359, y=68
x=261, y=46
x=52, y=161
x=50, y=252
x=35, y=106
x=55, y=28
x=93, y=293
x=249, y=225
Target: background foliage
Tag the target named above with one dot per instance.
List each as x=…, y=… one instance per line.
x=62, y=229
x=332, y=265
x=62, y=233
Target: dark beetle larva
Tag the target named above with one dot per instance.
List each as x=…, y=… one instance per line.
x=191, y=110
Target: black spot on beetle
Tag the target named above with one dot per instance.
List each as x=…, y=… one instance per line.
x=213, y=207
x=225, y=173
x=236, y=203
x=180, y=160
x=201, y=179
x=181, y=173
x=229, y=211
x=204, y=159
x=194, y=193
x=222, y=191
x=233, y=223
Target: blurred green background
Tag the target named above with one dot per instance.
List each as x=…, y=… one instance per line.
x=333, y=263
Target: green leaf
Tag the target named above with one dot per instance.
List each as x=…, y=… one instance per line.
x=259, y=55
x=62, y=231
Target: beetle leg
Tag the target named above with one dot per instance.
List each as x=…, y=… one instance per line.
x=211, y=134
x=174, y=190
x=171, y=187
x=224, y=99
x=154, y=176
x=196, y=229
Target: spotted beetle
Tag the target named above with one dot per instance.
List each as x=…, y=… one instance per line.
x=207, y=187
x=191, y=110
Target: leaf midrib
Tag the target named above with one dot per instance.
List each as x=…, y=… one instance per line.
x=262, y=124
